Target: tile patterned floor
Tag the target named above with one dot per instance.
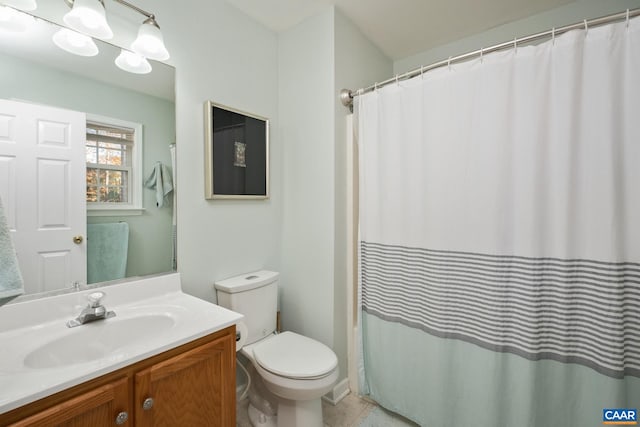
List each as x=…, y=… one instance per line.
x=379, y=417
x=350, y=412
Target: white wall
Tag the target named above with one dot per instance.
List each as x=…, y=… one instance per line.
x=558, y=17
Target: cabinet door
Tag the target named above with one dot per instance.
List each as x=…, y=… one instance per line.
x=196, y=388
x=96, y=408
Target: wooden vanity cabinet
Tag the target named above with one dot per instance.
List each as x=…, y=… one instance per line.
x=192, y=385
x=188, y=390
x=96, y=408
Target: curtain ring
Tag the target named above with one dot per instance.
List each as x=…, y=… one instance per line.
x=375, y=87
x=586, y=26
x=422, y=72
x=553, y=36
x=627, y=18
x=397, y=81
x=515, y=45
x=449, y=64
x=481, y=54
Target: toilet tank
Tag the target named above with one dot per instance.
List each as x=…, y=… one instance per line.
x=255, y=295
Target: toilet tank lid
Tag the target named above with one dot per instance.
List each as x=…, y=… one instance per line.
x=247, y=281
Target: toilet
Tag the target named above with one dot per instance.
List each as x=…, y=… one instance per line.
x=296, y=369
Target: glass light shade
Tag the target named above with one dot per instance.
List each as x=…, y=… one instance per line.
x=21, y=4
x=88, y=17
x=150, y=42
x=13, y=20
x=132, y=62
x=75, y=43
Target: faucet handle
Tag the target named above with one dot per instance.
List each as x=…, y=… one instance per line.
x=95, y=298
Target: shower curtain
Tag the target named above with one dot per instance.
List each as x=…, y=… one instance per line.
x=499, y=248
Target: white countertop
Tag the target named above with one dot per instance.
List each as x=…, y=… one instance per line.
x=27, y=326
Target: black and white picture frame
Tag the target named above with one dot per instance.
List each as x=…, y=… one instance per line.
x=236, y=154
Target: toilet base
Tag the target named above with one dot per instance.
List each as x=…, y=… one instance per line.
x=259, y=419
x=292, y=413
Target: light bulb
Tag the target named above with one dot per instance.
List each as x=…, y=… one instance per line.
x=88, y=17
x=13, y=20
x=150, y=42
x=132, y=62
x=74, y=42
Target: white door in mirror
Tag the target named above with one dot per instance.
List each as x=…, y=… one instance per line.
x=42, y=187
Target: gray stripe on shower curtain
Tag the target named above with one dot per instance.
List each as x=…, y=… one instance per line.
x=568, y=310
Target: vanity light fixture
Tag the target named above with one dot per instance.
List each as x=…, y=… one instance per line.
x=133, y=62
x=149, y=42
x=21, y=4
x=75, y=43
x=88, y=17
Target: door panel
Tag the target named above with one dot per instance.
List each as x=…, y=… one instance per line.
x=8, y=189
x=194, y=389
x=53, y=195
x=96, y=408
x=54, y=134
x=42, y=185
x=55, y=268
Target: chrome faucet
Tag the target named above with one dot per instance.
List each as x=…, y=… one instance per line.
x=93, y=311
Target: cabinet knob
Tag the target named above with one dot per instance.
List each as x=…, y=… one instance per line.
x=122, y=418
x=77, y=239
x=148, y=403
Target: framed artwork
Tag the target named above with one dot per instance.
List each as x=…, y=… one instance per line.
x=236, y=154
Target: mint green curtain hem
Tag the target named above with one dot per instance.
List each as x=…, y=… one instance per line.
x=439, y=382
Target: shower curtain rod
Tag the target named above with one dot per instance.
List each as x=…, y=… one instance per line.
x=346, y=95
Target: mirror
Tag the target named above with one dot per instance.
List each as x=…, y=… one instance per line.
x=35, y=70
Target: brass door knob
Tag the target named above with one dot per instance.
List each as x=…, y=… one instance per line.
x=77, y=239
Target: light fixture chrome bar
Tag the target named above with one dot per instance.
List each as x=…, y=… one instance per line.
x=136, y=8
x=70, y=2
x=123, y=2
x=347, y=96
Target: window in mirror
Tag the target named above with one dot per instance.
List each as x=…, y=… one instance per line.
x=113, y=163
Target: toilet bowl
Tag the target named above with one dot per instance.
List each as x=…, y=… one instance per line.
x=293, y=366
x=296, y=369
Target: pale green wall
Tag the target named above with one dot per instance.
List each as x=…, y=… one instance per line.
x=150, y=233
x=222, y=55
x=316, y=58
x=558, y=17
x=305, y=98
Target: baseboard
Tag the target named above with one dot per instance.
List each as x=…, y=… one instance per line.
x=339, y=392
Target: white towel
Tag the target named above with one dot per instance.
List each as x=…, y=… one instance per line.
x=11, y=284
x=160, y=180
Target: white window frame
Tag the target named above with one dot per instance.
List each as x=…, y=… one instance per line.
x=134, y=207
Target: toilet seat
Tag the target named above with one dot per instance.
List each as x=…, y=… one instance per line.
x=295, y=356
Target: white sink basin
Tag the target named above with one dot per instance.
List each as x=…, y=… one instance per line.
x=97, y=340
x=40, y=355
